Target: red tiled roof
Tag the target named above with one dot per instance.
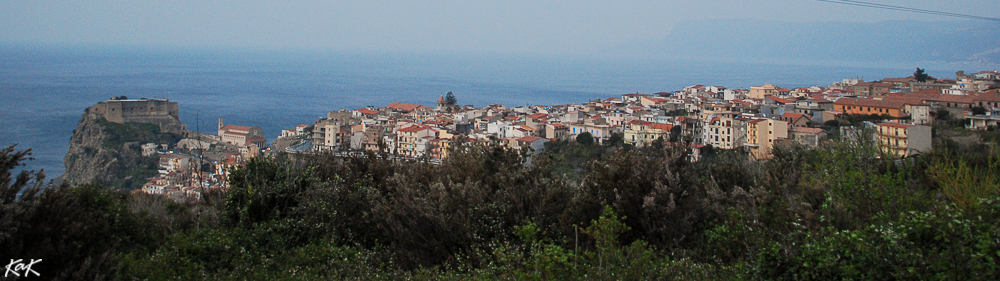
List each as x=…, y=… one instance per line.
x=406, y=106
x=989, y=96
x=905, y=99
x=658, y=126
x=235, y=128
x=935, y=95
x=536, y=116
x=367, y=111
x=528, y=139
x=777, y=99
x=414, y=128
x=793, y=116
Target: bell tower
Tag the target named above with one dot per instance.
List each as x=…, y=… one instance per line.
x=442, y=104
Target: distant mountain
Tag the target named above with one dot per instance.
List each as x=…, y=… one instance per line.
x=886, y=41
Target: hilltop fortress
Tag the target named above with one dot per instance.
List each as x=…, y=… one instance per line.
x=121, y=110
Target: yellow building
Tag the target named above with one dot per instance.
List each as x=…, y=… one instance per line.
x=761, y=92
x=724, y=130
x=904, y=139
x=762, y=134
x=641, y=133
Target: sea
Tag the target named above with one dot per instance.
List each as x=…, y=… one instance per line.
x=44, y=90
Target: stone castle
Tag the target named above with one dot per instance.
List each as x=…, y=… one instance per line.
x=161, y=112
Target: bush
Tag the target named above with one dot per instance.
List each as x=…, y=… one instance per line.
x=840, y=211
x=584, y=138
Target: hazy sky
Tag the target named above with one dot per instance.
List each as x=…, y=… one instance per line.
x=516, y=26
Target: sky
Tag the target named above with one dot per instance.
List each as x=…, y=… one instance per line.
x=482, y=26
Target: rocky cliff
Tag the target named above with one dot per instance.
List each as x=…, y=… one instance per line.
x=110, y=153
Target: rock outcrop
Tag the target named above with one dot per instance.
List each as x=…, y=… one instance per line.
x=110, y=153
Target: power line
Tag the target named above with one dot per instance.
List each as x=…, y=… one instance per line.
x=907, y=9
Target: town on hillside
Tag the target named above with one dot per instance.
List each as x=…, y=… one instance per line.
x=896, y=112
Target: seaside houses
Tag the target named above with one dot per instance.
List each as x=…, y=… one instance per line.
x=752, y=121
x=755, y=119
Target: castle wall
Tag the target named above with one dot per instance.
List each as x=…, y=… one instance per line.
x=152, y=111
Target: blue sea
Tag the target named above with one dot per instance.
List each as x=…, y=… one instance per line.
x=45, y=90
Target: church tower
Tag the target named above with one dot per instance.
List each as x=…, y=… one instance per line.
x=220, y=123
x=442, y=104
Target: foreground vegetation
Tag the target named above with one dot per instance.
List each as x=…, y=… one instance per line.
x=842, y=211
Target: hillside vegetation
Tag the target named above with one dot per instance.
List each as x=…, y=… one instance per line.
x=842, y=211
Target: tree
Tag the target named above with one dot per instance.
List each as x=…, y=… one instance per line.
x=920, y=75
x=450, y=99
x=616, y=139
x=585, y=138
x=978, y=110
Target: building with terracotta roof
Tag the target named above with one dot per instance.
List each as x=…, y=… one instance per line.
x=777, y=101
x=535, y=143
x=238, y=135
x=406, y=107
x=987, y=100
x=795, y=119
x=954, y=104
x=652, y=102
x=365, y=113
